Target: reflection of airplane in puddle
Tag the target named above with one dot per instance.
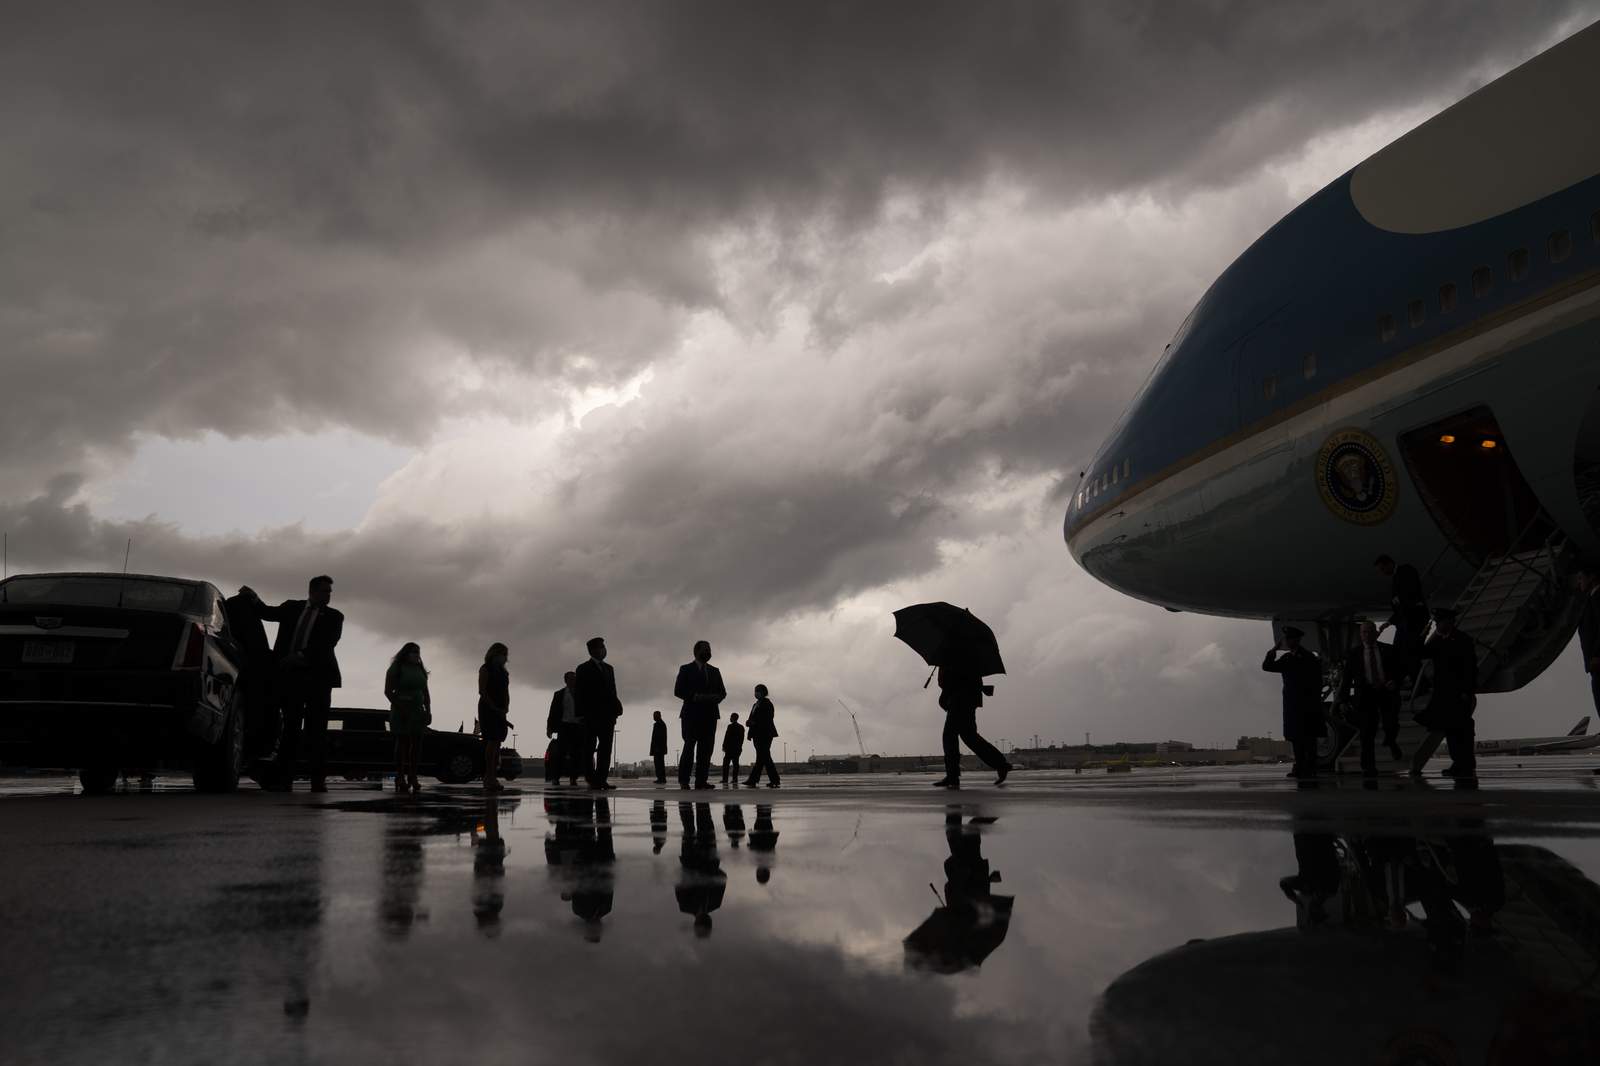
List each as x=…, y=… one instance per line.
x=1383, y=967
x=1576, y=740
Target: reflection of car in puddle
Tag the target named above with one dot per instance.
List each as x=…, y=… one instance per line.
x=971, y=920
x=1406, y=950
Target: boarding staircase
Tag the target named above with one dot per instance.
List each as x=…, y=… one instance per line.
x=1519, y=613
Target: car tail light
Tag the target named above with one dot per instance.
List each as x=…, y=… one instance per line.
x=191, y=648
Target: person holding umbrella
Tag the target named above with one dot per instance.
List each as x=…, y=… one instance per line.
x=962, y=651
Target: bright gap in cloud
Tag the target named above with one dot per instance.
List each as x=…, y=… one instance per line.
x=213, y=485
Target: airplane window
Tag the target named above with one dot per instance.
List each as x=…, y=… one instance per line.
x=1126, y=464
x=1269, y=386
x=1114, y=474
x=1482, y=282
x=1559, y=245
x=1386, y=327
x=1594, y=227
x=1308, y=365
x=1414, y=313
x=1447, y=297
x=1517, y=264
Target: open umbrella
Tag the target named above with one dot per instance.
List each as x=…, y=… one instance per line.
x=943, y=633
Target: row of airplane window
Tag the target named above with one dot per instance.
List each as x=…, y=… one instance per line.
x=1103, y=481
x=1558, y=248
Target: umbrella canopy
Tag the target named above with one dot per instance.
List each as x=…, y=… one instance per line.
x=960, y=936
x=943, y=633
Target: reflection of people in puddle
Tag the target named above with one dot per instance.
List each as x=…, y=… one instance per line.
x=972, y=920
x=580, y=849
x=733, y=823
x=658, y=826
x=402, y=879
x=488, y=870
x=763, y=842
x=1380, y=876
x=702, y=882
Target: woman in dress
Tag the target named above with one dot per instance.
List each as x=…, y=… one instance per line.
x=410, y=711
x=494, y=703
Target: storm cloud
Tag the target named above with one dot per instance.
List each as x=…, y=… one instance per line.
x=747, y=321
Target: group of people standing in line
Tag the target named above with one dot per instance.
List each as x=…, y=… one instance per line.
x=1374, y=678
x=300, y=670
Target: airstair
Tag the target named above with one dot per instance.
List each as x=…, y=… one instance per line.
x=1520, y=614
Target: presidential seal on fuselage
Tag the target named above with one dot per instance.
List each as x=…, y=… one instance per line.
x=1355, y=478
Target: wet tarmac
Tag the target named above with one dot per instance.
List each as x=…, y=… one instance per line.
x=1187, y=916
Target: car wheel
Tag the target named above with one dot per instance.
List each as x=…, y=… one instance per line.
x=218, y=767
x=97, y=780
x=458, y=769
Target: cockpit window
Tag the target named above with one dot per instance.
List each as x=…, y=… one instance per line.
x=1447, y=297
x=1385, y=327
x=1482, y=282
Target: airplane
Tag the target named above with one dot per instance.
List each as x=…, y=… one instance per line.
x=1407, y=364
x=1576, y=740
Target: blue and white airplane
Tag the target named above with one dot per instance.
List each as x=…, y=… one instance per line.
x=1576, y=740
x=1406, y=364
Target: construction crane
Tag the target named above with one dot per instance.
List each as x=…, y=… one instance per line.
x=859, y=742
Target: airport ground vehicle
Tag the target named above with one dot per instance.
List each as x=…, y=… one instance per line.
x=360, y=745
x=112, y=672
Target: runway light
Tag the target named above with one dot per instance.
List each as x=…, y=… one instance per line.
x=1487, y=443
x=1447, y=438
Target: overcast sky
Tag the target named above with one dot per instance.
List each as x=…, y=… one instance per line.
x=751, y=322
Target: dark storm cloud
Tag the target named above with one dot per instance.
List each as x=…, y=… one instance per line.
x=310, y=202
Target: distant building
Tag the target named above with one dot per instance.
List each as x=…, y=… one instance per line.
x=1265, y=748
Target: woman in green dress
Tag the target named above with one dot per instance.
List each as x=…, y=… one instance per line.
x=410, y=711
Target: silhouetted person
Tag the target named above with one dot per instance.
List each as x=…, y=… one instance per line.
x=494, y=707
x=1589, y=627
x=973, y=920
x=732, y=745
x=599, y=708
x=658, y=746
x=658, y=825
x=763, y=842
x=702, y=884
x=563, y=725
x=1455, y=695
x=733, y=823
x=1372, y=679
x=961, y=691
x=405, y=686
x=402, y=878
x=700, y=687
x=488, y=871
x=1410, y=610
x=307, y=674
x=262, y=718
x=762, y=730
x=1301, y=670
x=1317, y=879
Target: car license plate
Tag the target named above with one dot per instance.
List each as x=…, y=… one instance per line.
x=47, y=651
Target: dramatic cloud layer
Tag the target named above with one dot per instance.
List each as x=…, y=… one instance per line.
x=751, y=321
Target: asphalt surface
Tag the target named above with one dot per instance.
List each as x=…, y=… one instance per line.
x=1137, y=918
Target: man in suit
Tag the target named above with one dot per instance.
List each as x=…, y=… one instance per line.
x=1455, y=696
x=599, y=707
x=307, y=674
x=571, y=756
x=699, y=686
x=732, y=745
x=658, y=747
x=1372, y=682
x=1301, y=670
x=1410, y=617
x=261, y=718
x=1589, y=627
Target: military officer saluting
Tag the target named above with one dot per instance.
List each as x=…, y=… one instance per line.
x=1302, y=698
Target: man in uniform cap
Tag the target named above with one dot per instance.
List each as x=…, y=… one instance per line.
x=1301, y=670
x=1455, y=688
